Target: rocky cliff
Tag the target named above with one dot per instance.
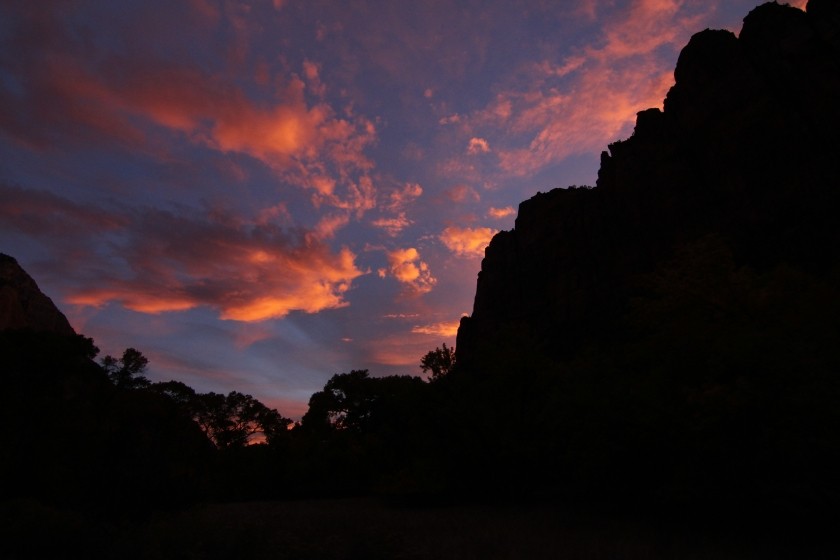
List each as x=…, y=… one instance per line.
x=24, y=306
x=745, y=150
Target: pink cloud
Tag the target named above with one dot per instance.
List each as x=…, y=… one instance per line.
x=329, y=225
x=462, y=193
x=478, y=146
x=393, y=226
x=501, y=212
x=312, y=73
x=393, y=204
x=467, y=242
x=400, y=197
x=591, y=98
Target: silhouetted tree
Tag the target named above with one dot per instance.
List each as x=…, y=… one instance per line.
x=344, y=403
x=127, y=371
x=235, y=419
x=439, y=362
x=177, y=391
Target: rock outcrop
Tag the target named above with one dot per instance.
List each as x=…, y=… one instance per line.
x=745, y=149
x=24, y=306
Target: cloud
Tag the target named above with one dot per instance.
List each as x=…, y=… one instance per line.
x=146, y=99
x=312, y=74
x=501, y=212
x=394, y=203
x=406, y=267
x=448, y=329
x=393, y=226
x=467, y=242
x=592, y=96
x=327, y=226
x=478, y=146
x=462, y=193
x=400, y=197
x=155, y=261
x=42, y=213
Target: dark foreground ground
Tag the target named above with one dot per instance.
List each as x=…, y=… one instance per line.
x=370, y=529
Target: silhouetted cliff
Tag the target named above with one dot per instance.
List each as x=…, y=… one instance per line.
x=23, y=305
x=670, y=337
x=745, y=149
x=70, y=437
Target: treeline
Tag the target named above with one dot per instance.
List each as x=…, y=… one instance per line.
x=100, y=436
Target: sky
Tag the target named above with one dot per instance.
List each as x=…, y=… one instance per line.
x=259, y=194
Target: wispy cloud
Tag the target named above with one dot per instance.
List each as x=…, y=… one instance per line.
x=393, y=204
x=393, y=226
x=140, y=99
x=462, y=193
x=157, y=261
x=591, y=97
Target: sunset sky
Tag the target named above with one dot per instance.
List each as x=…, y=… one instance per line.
x=259, y=194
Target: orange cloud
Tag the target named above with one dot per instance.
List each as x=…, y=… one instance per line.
x=449, y=329
x=359, y=197
x=144, y=102
x=501, y=212
x=467, y=242
x=406, y=266
x=241, y=288
x=155, y=261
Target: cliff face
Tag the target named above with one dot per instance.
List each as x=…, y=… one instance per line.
x=24, y=306
x=745, y=149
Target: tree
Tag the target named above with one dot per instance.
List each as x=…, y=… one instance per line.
x=127, y=371
x=344, y=402
x=235, y=419
x=181, y=393
x=439, y=361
